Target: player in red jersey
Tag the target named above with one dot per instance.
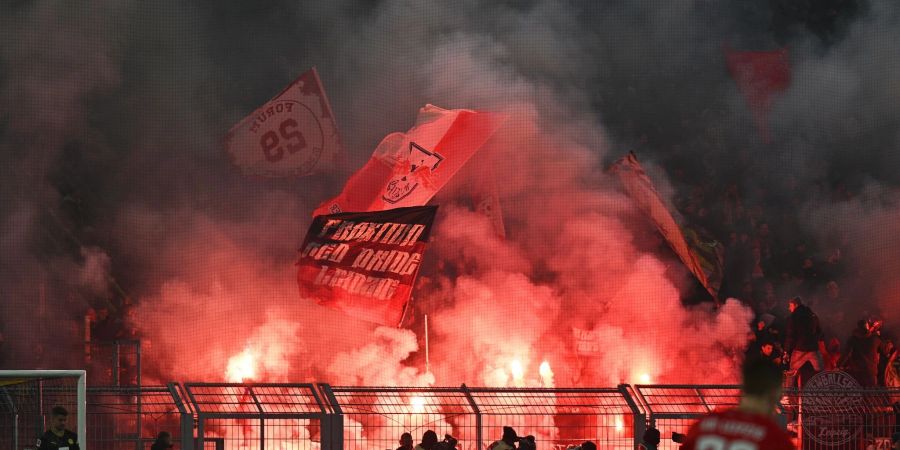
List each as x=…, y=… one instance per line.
x=750, y=426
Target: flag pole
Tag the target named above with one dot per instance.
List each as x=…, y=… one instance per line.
x=427, y=360
x=343, y=161
x=405, y=312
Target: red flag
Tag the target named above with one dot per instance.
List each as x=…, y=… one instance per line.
x=365, y=264
x=760, y=75
x=407, y=169
x=294, y=134
x=703, y=259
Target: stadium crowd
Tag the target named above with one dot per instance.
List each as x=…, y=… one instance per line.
x=803, y=291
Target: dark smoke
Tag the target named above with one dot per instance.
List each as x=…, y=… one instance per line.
x=116, y=193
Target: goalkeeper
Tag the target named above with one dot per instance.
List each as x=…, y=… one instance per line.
x=58, y=437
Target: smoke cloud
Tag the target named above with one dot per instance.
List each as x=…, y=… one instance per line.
x=117, y=193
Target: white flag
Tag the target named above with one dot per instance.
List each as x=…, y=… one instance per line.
x=294, y=134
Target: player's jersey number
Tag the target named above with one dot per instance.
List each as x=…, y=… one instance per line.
x=720, y=443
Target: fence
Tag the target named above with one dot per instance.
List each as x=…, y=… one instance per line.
x=562, y=417
x=113, y=363
x=843, y=418
x=818, y=419
x=259, y=416
x=673, y=408
x=26, y=403
x=127, y=418
x=323, y=417
x=375, y=417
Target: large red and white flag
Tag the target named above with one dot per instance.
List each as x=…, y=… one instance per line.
x=365, y=264
x=407, y=169
x=294, y=134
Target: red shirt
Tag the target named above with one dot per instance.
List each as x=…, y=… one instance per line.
x=736, y=430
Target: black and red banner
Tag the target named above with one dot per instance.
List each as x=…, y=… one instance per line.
x=365, y=263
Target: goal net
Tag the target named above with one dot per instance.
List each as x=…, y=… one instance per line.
x=27, y=398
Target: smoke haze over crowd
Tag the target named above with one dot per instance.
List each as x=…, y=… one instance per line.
x=117, y=193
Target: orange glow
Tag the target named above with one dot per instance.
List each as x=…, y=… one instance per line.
x=418, y=404
x=517, y=371
x=242, y=366
x=644, y=378
x=620, y=425
x=545, y=370
x=546, y=374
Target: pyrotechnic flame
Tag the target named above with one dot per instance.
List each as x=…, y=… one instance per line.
x=546, y=374
x=242, y=366
x=517, y=371
x=645, y=378
x=418, y=404
x=620, y=425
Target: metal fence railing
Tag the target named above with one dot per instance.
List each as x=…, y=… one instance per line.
x=560, y=418
x=127, y=418
x=818, y=418
x=113, y=363
x=257, y=416
x=674, y=408
x=375, y=417
x=118, y=418
x=843, y=418
x=221, y=416
x=26, y=404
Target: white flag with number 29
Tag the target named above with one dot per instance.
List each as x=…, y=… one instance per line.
x=294, y=134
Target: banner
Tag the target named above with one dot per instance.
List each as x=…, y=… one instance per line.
x=294, y=134
x=702, y=258
x=760, y=75
x=365, y=264
x=407, y=169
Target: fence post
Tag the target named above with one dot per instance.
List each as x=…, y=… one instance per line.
x=479, y=442
x=140, y=395
x=15, y=412
x=639, y=419
x=262, y=420
x=333, y=422
x=185, y=419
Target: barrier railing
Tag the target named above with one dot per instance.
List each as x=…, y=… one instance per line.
x=834, y=418
x=125, y=418
x=375, y=417
x=818, y=418
x=223, y=416
x=673, y=408
x=117, y=418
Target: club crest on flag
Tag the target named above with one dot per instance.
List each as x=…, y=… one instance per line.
x=408, y=169
x=411, y=172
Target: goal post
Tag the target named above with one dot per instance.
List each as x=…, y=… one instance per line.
x=9, y=379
